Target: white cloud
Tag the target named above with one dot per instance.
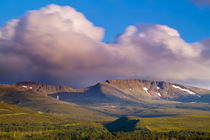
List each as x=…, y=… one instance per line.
x=163, y=37
x=59, y=45
x=8, y=31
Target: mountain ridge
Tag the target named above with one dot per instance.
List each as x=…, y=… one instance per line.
x=110, y=98
x=132, y=90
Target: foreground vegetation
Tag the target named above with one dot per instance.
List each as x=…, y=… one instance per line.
x=76, y=132
x=19, y=123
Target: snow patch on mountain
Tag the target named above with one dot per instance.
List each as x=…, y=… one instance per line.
x=27, y=87
x=186, y=90
x=146, y=89
x=158, y=94
x=24, y=86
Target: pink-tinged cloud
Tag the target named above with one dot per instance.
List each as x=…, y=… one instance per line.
x=59, y=45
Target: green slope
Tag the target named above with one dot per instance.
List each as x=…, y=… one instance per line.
x=11, y=114
x=40, y=102
x=162, y=124
x=177, y=123
x=19, y=123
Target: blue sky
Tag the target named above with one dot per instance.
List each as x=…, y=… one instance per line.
x=192, y=21
x=57, y=45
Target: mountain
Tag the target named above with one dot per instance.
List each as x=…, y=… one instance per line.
x=131, y=91
x=143, y=98
x=27, y=97
x=41, y=88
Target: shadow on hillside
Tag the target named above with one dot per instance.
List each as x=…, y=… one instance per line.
x=201, y=99
x=94, y=95
x=122, y=124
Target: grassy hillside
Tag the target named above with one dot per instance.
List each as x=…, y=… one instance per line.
x=11, y=114
x=14, y=118
x=39, y=102
x=162, y=124
x=153, y=109
x=19, y=123
x=177, y=123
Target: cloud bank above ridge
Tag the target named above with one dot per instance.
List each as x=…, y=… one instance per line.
x=59, y=45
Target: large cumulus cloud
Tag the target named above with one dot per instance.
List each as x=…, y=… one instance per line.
x=59, y=45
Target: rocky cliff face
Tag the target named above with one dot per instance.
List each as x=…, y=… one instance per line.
x=149, y=88
x=40, y=88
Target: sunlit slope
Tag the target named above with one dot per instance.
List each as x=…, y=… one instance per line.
x=10, y=114
x=188, y=122
x=19, y=123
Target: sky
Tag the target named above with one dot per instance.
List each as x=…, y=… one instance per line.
x=190, y=19
x=79, y=43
